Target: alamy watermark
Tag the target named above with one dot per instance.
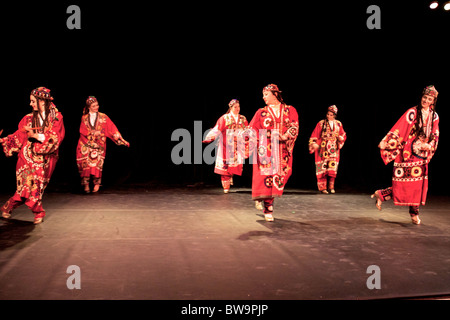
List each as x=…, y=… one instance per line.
x=374, y=281
x=239, y=145
x=74, y=280
x=374, y=20
x=74, y=20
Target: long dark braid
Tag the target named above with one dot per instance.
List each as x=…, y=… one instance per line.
x=324, y=126
x=432, y=115
x=36, y=123
x=418, y=125
x=325, y=122
x=418, y=129
x=86, y=109
x=277, y=94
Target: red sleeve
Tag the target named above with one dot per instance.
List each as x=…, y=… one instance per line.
x=112, y=132
x=220, y=124
x=14, y=142
x=435, y=139
x=293, y=127
x=342, y=135
x=316, y=135
x=84, y=130
x=398, y=136
x=256, y=121
x=216, y=131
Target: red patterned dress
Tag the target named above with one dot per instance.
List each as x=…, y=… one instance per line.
x=410, y=175
x=326, y=135
x=91, y=148
x=272, y=159
x=36, y=161
x=229, y=161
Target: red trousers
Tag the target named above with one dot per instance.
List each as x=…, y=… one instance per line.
x=267, y=204
x=95, y=180
x=325, y=183
x=14, y=202
x=226, y=181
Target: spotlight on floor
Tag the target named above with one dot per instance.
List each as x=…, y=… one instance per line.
x=434, y=5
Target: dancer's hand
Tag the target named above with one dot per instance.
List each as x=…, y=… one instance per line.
x=125, y=142
x=426, y=147
x=209, y=139
x=284, y=137
x=30, y=132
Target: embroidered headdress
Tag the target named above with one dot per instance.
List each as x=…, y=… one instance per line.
x=271, y=87
x=233, y=102
x=91, y=100
x=333, y=109
x=42, y=93
x=275, y=91
x=430, y=91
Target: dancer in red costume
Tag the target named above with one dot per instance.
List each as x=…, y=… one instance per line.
x=91, y=149
x=276, y=128
x=326, y=142
x=411, y=143
x=229, y=160
x=36, y=143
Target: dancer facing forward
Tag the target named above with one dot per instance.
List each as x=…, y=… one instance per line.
x=36, y=143
x=229, y=161
x=91, y=149
x=276, y=129
x=411, y=143
x=326, y=141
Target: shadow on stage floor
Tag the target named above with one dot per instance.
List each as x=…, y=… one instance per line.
x=201, y=244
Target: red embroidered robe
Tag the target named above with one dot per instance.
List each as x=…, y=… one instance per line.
x=272, y=158
x=36, y=160
x=327, y=157
x=91, y=149
x=410, y=176
x=229, y=161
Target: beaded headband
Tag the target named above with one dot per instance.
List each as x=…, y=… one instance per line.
x=271, y=87
x=233, y=102
x=42, y=93
x=91, y=100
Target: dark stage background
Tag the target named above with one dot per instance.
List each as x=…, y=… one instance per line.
x=159, y=67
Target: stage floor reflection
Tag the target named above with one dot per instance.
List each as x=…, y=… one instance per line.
x=198, y=243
